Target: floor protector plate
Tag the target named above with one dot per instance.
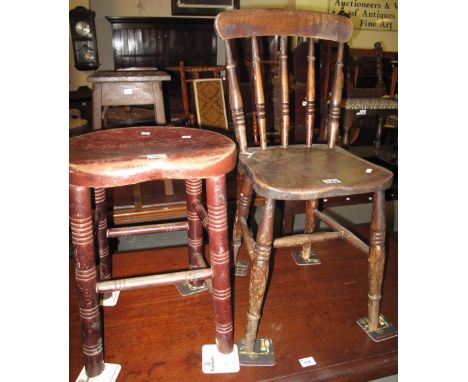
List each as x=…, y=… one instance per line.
x=385, y=331
x=314, y=259
x=109, y=374
x=240, y=267
x=214, y=362
x=263, y=353
x=186, y=289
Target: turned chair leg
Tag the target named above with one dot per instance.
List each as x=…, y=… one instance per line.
x=378, y=134
x=193, y=189
x=85, y=273
x=259, y=273
x=311, y=205
x=347, y=124
x=219, y=261
x=243, y=208
x=376, y=258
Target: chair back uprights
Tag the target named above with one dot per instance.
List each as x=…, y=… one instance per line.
x=257, y=23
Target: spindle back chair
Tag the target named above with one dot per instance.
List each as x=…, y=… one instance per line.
x=296, y=172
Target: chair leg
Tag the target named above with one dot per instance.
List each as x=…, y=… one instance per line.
x=376, y=258
x=311, y=205
x=243, y=207
x=347, y=124
x=378, y=134
x=259, y=273
x=193, y=189
x=219, y=261
x=85, y=273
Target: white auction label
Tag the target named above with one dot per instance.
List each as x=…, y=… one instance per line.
x=306, y=362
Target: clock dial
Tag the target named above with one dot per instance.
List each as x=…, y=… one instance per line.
x=82, y=28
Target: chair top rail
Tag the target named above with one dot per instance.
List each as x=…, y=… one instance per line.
x=244, y=23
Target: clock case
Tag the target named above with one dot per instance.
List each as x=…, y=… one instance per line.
x=85, y=50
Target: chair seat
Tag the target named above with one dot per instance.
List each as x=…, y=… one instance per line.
x=369, y=103
x=119, y=157
x=302, y=173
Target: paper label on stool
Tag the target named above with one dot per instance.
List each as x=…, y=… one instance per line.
x=214, y=362
x=331, y=181
x=368, y=171
x=156, y=156
x=128, y=91
x=306, y=362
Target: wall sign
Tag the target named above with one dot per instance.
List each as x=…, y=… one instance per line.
x=370, y=15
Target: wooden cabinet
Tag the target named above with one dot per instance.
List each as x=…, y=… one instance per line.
x=162, y=41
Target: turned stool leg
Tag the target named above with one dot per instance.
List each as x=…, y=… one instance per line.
x=85, y=272
x=376, y=258
x=311, y=205
x=105, y=267
x=243, y=207
x=259, y=273
x=219, y=255
x=193, y=189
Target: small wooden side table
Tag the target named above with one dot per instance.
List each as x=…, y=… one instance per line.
x=122, y=88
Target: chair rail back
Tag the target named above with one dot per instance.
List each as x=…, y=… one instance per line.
x=254, y=23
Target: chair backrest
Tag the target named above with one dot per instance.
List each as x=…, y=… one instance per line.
x=203, y=91
x=255, y=23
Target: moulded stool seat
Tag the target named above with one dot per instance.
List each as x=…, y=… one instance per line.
x=125, y=156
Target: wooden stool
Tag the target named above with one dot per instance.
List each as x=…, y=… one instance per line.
x=118, y=157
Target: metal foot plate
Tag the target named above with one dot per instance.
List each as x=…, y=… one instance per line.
x=240, y=267
x=314, y=259
x=214, y=362
x=109, y=374
x=186, y=289
x=385, y=331
x=263, y=353
x=111, y=300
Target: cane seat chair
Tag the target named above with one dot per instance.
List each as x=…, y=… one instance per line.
x=126, y=156
x=297, y=172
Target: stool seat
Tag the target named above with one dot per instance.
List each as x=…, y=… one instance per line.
x=370, y=103
x=119, y=157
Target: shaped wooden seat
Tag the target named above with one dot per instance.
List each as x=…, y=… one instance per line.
x=300, y=172
x=126, y=156
x=118, y=157
x=312, y=172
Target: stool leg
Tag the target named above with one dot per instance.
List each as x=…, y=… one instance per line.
x=243, y=206
x=193, y=189
x=376, y=258
x=105, y=267
x=259, y=273
x=85, y=273
x=219, y=255
x=311, y=205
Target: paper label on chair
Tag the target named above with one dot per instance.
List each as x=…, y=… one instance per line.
x=156, y=156
x=331, y=181
x=128, y=91
x=306, y=362
x=361, y=112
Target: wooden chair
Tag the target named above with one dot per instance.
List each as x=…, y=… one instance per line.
x=366, y=101
x=297, y=172
x=125, y=156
